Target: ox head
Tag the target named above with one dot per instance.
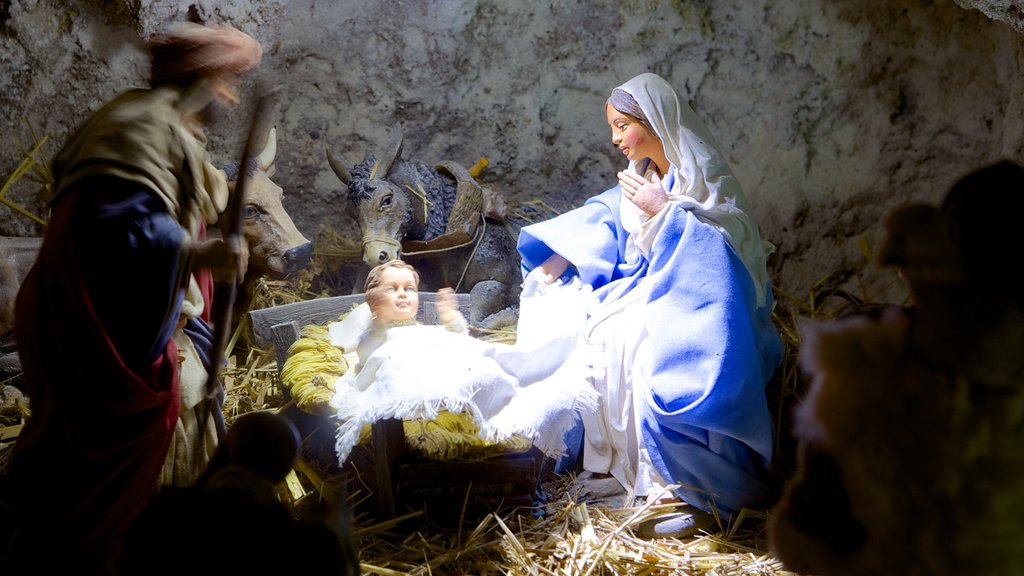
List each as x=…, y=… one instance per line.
x=383, y=210
x=275, y=244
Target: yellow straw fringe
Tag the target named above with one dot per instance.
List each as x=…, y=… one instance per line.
x=312, y=366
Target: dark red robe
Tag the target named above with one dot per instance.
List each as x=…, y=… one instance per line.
x=88, y=458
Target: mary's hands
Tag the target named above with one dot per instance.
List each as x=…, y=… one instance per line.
x=544, y=275
x=553, y=268
x=649, y=196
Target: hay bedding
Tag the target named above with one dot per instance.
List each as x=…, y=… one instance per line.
x=564, y=535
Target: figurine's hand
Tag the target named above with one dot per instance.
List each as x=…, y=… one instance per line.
x=648, y=196
x=544, y=275
x=448, y=310
x=553, y=268
x=228, y=259
x=445, y=304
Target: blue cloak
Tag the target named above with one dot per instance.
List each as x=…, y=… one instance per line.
x=706, y=422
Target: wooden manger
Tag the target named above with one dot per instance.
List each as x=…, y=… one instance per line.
x=385, y=473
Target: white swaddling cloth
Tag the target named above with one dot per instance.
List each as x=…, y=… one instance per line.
x=535, y=388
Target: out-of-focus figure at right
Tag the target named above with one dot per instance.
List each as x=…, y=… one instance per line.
x=911, y=435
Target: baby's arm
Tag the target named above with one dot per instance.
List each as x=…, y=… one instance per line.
x=448, y=311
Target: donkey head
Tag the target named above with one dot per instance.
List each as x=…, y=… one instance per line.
x=385, y=212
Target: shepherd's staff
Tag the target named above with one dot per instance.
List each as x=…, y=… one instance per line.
x=233, y=233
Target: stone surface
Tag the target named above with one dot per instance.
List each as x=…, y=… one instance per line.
x=832, y=113
x=1009, y=11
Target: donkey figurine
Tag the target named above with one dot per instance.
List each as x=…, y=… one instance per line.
x=437, y=220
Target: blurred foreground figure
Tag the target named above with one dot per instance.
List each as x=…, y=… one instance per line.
x=123, y=266
x=912, y=433
x=247, y=528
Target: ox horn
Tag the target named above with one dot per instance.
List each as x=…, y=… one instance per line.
x=266, y=158
x=339, y=167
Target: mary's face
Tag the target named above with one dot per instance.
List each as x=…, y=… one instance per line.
x=630, y=136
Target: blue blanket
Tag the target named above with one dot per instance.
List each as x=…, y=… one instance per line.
x=712, y=351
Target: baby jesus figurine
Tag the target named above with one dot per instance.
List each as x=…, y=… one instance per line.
x=392, y=301
x=400, y=368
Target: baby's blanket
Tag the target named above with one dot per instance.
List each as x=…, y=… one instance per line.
x=535, y=388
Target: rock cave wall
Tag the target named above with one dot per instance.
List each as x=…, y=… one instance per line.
x=831, y=112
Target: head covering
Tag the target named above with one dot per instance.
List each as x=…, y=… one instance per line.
x=979, y=232
x=190, y=51
x=699, y=177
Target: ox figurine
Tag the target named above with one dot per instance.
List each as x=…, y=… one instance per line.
x=276, y=247
x=436, y=219
x=16, y=258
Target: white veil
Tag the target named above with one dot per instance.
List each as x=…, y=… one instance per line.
x=703, y=182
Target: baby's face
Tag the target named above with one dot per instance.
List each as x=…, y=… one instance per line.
x=399, y=300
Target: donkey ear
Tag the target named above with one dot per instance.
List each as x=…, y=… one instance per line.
x=393, y=152
x=338, y=166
